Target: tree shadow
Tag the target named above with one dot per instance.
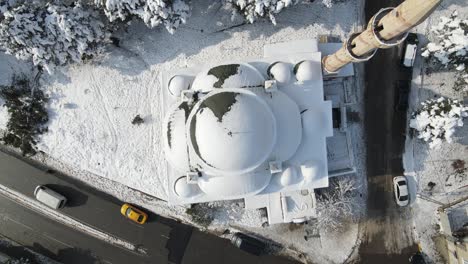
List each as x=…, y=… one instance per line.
x=211, y=23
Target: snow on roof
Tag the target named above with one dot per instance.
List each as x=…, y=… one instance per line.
x=231, y=131
x=228, y=76
x=238, y=139
x=175, y=141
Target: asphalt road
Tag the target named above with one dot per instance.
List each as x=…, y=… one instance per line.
x=388, y=236
x=164, y=240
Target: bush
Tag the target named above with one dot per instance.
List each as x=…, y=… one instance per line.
x=201, y=214
x=252, y=10
x=28, y=115
x=437, y=119
x=451, y=49
x=51, y=34
x=170, y=13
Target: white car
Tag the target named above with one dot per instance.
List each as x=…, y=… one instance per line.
x=400, y=186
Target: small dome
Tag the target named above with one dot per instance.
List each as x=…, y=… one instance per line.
x=236, y=187
x=289, y=176
x=228, y=76
x=311, y=170
x=308, y=71
x=232, y=131
x=185, y=190
x=177, y=84
x=280, y=71
x=175, y=140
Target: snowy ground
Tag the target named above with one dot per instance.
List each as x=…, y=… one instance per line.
x=91, y=136
x=435, y=165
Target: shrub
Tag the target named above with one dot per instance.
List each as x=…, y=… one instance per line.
x=28, y=115
x=451, y=48
x=437, y=119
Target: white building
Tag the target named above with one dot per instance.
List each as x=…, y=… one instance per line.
x=251, y=130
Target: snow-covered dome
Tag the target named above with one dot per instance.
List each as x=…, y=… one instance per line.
x=185, y=190
x=228, y=76
x=235, y=187
x=289, y=176
x=280, y=71
x=312, y=170
x=175, y=140
x=232, y=131
x=308, y=71
x=177, y=84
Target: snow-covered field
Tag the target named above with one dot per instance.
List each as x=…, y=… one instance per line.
x=437, y=165
x=91, y=135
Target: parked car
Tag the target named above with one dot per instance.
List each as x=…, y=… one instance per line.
x=49, y=197
x=400, y=186
x=410, y=47
x=248, y=244
x=402, y=90
x=133, y=213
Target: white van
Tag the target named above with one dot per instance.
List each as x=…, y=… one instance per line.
x=49, y=197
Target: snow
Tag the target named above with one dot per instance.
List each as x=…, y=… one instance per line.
x=435, y=165
x=92, y=105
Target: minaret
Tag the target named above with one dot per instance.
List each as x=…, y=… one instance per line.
x=388, y=28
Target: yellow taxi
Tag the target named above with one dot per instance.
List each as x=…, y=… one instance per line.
x=133, y=213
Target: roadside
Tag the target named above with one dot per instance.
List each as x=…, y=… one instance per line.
x=440, y=173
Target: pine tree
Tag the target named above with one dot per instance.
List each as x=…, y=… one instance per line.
x=170, y=13
x=51, y=33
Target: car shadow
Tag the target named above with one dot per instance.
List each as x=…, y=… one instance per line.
x=74, y=197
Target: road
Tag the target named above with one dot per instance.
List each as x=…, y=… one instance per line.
x=164, y=240
x=388, y=236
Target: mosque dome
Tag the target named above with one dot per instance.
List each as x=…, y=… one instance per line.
x=308, y=71
x=177, y=84
x=185, y=190
x=231, y=131
x=228, y=76
x=289, y=176
x=280, y=71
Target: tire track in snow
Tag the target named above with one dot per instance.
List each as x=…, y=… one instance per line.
x=113, y=133
x=67, y=220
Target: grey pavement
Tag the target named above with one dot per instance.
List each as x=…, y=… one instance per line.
x=165, y=240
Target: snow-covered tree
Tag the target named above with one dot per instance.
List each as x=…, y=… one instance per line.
x=437, y=120
x=27, y=114
x=252, y=10
x=170, y=13
x=451, y=48
x=337, y=204
x=51, y=33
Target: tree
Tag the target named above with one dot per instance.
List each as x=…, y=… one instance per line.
x=337, y=205
x=252, y=10
x=451, y=48
x=170, y=13
x=51, y=33
x=437, y=119
x=27, y=115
